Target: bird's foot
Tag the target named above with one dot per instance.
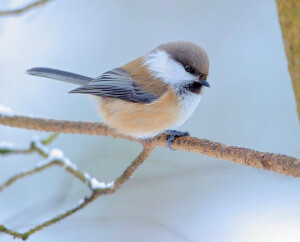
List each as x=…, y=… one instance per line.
x=172, y=134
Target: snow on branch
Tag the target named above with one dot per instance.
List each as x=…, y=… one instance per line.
x=56, y=157
x=275, y=162
x=289, y=19
x=6, y=111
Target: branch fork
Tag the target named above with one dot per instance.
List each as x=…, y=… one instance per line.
x=268, y=161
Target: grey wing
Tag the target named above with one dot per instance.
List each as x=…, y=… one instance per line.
x=116, y=84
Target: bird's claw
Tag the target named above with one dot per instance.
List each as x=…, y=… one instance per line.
x=172, y=134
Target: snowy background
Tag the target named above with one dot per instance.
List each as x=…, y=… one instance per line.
x=174, y=196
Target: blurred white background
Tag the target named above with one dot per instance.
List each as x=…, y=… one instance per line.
x=174, y=196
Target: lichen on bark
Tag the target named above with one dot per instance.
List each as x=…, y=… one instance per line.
x=289, y=18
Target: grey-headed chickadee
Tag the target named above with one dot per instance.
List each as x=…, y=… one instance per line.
x=152, y=94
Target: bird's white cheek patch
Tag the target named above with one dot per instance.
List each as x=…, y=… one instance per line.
x=162, y=66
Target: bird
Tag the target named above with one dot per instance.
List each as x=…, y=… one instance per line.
x=152, y=94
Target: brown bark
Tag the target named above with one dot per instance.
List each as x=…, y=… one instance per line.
x=289, y=17
x=24, y=9
x=274, y=162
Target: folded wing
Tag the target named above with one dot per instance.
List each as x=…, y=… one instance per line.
x=117, y=84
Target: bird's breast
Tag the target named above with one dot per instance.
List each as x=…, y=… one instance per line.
x=141, y=120
x=188, y=102
x=147, y=120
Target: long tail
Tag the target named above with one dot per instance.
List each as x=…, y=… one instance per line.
x=59, y=75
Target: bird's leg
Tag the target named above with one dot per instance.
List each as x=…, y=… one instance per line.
x=172, y=134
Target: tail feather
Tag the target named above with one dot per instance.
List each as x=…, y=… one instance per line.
x=59, y=75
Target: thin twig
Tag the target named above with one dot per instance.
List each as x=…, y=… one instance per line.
x=278, y=163
x=27, y=173
x=33, y=147
x=26, y=8
x=96, y=192
x=274, y=162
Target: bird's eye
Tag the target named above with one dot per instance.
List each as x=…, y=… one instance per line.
x=190, y=69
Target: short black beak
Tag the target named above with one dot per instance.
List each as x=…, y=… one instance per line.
x=205, y=83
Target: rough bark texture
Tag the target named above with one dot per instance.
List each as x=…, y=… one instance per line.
x=268, y=161
x=289, y=17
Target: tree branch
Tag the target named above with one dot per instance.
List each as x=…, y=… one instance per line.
x=96, y=187
x=26, y=8
x=289, y=17
x=35, y=146
x=268, y=161
x=289, y=12
x=274, y=162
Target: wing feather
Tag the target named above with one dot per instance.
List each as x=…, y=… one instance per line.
x=117, y=84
